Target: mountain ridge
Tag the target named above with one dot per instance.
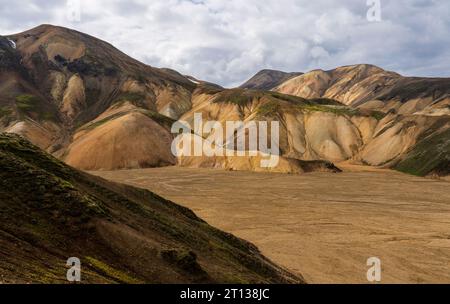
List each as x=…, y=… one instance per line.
x=95, y=107
x=267, y=79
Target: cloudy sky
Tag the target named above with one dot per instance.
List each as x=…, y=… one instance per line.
x=227, y=41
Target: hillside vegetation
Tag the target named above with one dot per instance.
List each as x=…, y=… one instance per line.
x=50, y=212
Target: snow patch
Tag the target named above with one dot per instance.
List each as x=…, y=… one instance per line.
x=12, y=43
x=193, y=81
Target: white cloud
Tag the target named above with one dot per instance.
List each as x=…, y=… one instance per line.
x=226, y=41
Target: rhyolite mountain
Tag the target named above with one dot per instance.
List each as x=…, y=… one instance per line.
x=410, y=117
x=94, y=107
x=91, y=105
x=367, y=85
x=50, y=212
x=57, y=84
x=268, y=79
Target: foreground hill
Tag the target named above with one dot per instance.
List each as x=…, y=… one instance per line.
x=50, y=212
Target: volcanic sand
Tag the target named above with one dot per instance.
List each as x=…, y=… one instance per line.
x=322, y=225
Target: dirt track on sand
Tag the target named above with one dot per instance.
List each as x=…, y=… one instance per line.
x=324, y=226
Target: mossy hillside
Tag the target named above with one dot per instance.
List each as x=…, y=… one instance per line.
x=274, y=103
x=40, y=206
x=208, y=89
x=269, y=108
x=337, y=110
x=109, y=271
x=155, y=116
x=295, y=100
x=96, y=124
x=7, y=115
x=5, y=111
x=429, y=156
x=243, y=97
x=28, y=103
x=159, y=118
x=274, y=106
x=240, y=97
x=58, y=209
x=378, y=115
x=324, y=101
x=35, y=107
x=136, y=99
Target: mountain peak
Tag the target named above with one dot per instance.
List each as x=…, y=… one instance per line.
x=267, y=79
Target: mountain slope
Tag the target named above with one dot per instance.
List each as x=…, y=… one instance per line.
x=431, y=156
x=50, y=212
x=96, y=108
x=123, y=137
x=268, y=79
x=56, y=80
x=316, y=130
x=371, y=86
x=61, y=89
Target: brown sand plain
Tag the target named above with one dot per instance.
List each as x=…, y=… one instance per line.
x=323, y=226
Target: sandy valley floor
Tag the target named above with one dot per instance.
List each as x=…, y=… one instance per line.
x=324, y=226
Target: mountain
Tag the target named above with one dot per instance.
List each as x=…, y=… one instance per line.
x=268, y=79
x=95, y=108
x=50, y=212
x=384, y=119
x=319, y=130
x=92, y=106
x=370, y=86
x=57, y=83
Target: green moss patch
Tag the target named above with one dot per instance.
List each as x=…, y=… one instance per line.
x=159, y=118
x=269, y=108
x=30, y=105
x=378, y=115
x=338, y=110
x=5, y=111
x=429, y=156
x=287, y=98
x=27, y=103
x=238, y=97
x=325, y=101
x=96, y=124
x=119, y=276
x=137, y=99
